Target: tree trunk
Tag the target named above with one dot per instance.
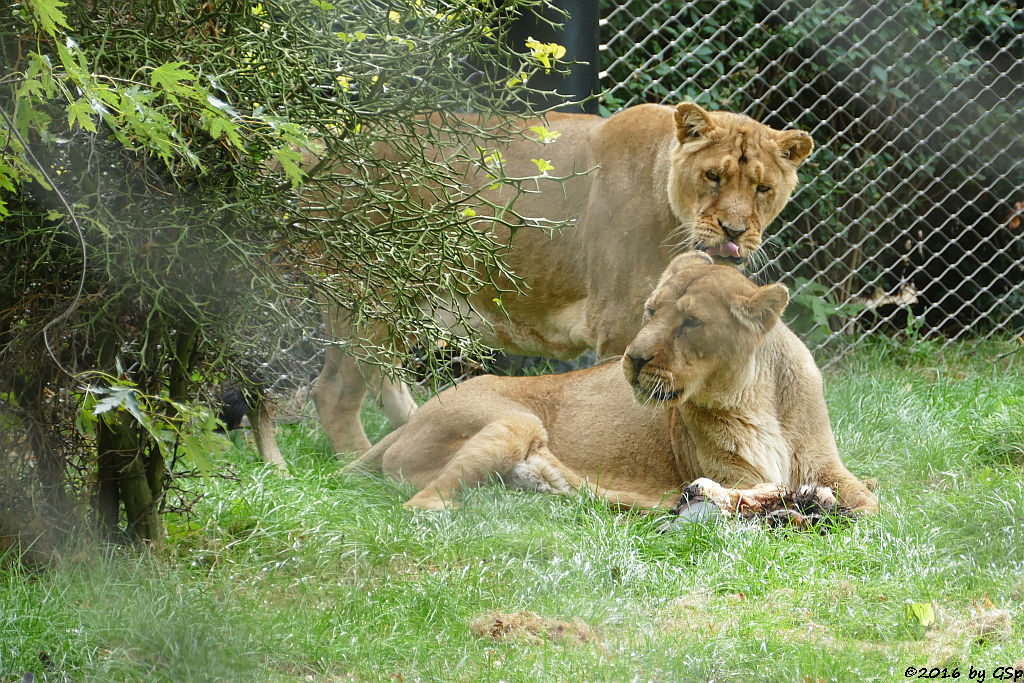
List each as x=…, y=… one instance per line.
x=124, y=479
x=41, y=522
x=107, y=500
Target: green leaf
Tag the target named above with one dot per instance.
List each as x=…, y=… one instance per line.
x=197, y=445
x=289, y=158
x=879, y=73
x=221, y=126
x=922, y=613
x=131, y=404
x=106, y=405
x=163, y=436
x=170, y=76
x=118, y=397
x=221, y=105
x=48, y=14
x=7, y=174
x=75, y=68
x=85, y=418
x=81, y=112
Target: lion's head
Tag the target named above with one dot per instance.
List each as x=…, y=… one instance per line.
x=702, y=327
x=730, y=177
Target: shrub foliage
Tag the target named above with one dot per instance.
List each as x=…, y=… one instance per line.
x=182, y=181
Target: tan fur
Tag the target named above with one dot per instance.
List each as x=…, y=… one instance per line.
x=645, y=196
x=712, y=386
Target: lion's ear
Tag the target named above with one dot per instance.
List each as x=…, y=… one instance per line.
x=764, y=307
x=795, y=145
x=692, y=122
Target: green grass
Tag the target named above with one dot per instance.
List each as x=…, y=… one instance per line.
x=325, y=577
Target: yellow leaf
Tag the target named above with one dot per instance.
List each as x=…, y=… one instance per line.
x=921, y=612
x=495, y=158
x=543, y=165
x=545, y=135
x=545, y=53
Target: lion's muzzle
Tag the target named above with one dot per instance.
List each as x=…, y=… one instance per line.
x=648, y=383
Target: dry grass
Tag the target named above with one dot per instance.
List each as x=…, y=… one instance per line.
x=532, y=629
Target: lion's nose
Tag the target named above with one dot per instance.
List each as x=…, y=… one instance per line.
x=638, y=361
x=731, y=233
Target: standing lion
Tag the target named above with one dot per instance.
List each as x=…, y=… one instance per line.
x=654, y=181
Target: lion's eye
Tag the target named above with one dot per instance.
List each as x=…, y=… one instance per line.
x=689, y=323
x=648, y=313
x=712, y=176
x=764, y=188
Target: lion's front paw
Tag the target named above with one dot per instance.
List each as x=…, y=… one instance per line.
x=856, y=495
x=859, y=500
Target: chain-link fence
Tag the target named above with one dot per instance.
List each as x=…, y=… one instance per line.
x=909, y=215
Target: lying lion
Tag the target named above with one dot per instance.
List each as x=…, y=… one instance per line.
x=712, y=386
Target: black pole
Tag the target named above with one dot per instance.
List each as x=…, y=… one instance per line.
x=579, y=34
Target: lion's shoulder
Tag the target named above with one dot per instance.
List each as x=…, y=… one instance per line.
x=643, y=126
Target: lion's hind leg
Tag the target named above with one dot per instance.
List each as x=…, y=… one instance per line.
x=373, y=459
x=515, y=448
x=497, y=449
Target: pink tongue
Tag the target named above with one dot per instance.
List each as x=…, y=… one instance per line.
x=727, y=249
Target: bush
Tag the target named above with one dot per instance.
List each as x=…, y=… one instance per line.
x=159, y=192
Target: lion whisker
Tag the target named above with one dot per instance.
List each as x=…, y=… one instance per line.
x=680, y=239
x=760, y=257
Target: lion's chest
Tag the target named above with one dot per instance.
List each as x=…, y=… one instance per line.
x=751, y=443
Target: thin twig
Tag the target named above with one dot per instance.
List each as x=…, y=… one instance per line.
x=1010, y=353
x=81, y=239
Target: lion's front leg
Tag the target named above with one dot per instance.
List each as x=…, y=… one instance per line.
x=395, y=399
x=338, y=394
